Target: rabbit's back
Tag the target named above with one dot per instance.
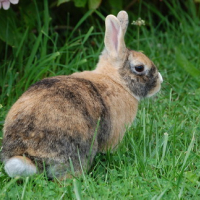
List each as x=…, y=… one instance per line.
x=58, y=116
x=54, y=117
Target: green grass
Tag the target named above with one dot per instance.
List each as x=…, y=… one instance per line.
x=159, y=155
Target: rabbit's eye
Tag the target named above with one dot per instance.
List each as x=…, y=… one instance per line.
x=139, y=68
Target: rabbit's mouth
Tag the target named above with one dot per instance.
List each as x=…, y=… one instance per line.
x=154, y=91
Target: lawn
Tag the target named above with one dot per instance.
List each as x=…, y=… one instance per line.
x=159, y=155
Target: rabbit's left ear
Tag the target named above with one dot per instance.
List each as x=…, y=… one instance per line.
x=114, y=37
x=123, y=19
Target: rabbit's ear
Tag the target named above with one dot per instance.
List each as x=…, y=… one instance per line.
x=114, y=37
x=123, y=19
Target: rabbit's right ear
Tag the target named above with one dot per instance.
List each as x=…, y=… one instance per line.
x=123, y=19
x=114, y=37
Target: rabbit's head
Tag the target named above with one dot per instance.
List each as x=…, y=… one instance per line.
x=136, y=71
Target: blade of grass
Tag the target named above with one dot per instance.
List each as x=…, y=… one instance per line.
x=88, y=34
x=77, y=189
x=186, y=158
x=33, y=52
x=45, y=29
x=85, y=16
x=24, y=188
x=164, y=145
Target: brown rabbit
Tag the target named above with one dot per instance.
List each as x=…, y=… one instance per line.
x=53, y=124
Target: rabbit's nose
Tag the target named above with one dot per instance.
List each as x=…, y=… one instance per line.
x=160, y=77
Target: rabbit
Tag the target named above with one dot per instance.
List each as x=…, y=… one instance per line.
x=60, y=123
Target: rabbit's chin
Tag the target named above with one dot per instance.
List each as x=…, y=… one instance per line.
x=156, y=90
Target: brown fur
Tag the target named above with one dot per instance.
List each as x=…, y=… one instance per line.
x=53, y=123
x=25, y=159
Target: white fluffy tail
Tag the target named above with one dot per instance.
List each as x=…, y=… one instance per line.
x=20, y=166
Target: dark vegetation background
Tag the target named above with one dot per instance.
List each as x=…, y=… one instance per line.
x=60, y=23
